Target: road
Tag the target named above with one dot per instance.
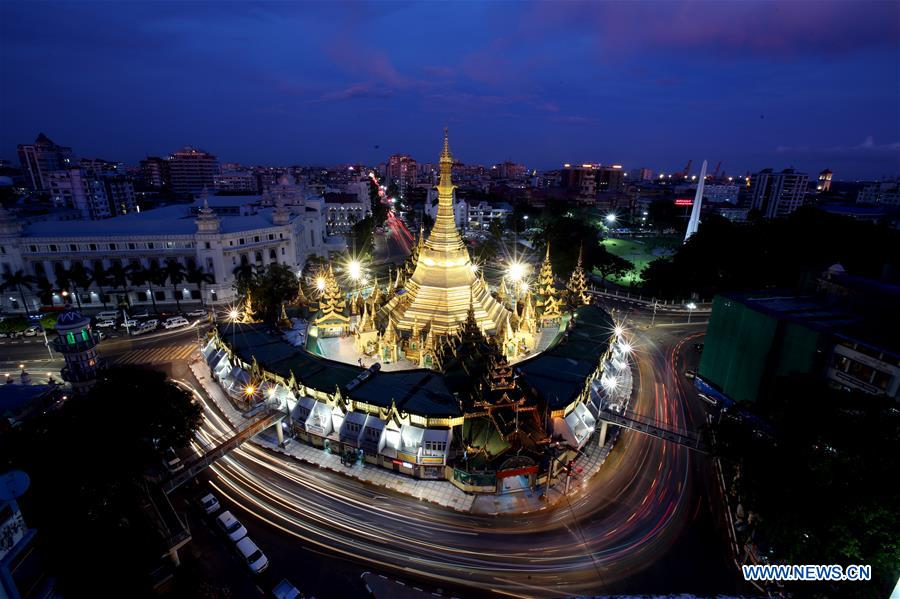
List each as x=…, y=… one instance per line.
x=644, y=523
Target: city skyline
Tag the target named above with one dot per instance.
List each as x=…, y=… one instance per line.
x=642, y=85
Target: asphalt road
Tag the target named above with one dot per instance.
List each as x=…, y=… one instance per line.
x=645, y=523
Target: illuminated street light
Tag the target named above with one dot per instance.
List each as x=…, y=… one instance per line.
x=691, y=306
x=249, y=389
x=625, y=347
x=320, y=283
x=516, y=271
x=354, y=269
x=233, y=315
x=618, y=330
x=611, y=218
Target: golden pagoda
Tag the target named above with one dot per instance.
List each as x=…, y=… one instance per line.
x=578, y=286
x=332, y=321
x=547, y=301
x=443, y=282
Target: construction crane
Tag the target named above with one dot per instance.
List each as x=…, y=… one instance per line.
x=687, y=169
x=715, y=174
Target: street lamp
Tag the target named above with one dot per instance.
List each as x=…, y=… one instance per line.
x=233, y=315
x=611, y=218
x=516, y=271
x=691, y=306
x=354, y=270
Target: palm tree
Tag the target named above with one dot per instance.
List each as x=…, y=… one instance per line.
x=197, y=276
x=20, y=282
x=99, y=276
x=45, y=290
x=140, y=276
x=118, y=277
x=174, y=271
x=244, y=277
x=74, y=278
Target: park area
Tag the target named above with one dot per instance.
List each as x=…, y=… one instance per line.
x=640, y=251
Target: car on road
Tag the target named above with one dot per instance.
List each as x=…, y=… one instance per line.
x=105, y=324
x=255, y=559
x=172, y=461
x=690, y=373
x=198, y=313
x=32, y=331
x=285, y=590
x=175, y=322
x=210, y=504
x=230, y=526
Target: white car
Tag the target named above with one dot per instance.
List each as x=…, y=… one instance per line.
x=196, y=313
x=129, y=322
x=31, y=331
x=209, y=503
x=175, y=322
x=173, y=462
x=256, y=560
x=109, y=315
x=141, y=314
x=105, y=324
x=230, y=526
x=150, y=324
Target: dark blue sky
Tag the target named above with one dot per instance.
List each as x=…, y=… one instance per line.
x=753, y=84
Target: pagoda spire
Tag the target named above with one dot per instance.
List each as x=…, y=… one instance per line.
x=577, y=284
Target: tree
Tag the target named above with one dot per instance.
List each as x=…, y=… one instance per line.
x=362, y=235
x=273, y=285
x=118, y=278
x=75, y=279
x=195, y=275
x=99, y=276
x=175, y=272
x=244, y=277
x=140, y=276
x=87, y=488
x=45, y=290
x=611, y=265
x=664, y=214
x=20, y=282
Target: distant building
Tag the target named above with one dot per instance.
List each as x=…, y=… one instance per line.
x=481, y=215
x=401, y=169
x=22, y=569
x=236, y=181
x=155, y=172
x=343, y=210
x=717, y=193
x=840, y=333
x=191, y=170
x=508, y=171
x=824, y=183
x=642, y=174
x=778, y=194
x=41, y=158
x=94, y=196
x=885, y=193
x=460, y=208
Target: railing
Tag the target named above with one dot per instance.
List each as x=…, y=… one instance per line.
x=649, y=427
x=198, y=465
x=661, y=304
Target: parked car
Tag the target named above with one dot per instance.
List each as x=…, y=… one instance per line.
x=150, y=324
x=256, y=560
x=690, y=373
x=129, y=322
x=140, y=314
x=230, y=526
x=175, y=322
x=198, y=313
x=285, y=590
x=32, y=331
x=172, y=461
x=107, y=315
x=105, y=324
x=209, y=503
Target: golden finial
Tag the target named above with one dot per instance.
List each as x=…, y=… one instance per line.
x=445, y=155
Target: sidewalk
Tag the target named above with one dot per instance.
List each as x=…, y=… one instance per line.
x=440, y=492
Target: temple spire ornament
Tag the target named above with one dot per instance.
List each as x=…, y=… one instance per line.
x=577, y=284
x=442, y=282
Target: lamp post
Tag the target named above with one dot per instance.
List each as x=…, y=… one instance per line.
x=691, y=306
x=655, y=307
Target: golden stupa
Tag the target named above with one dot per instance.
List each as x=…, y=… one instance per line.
x=443, y=284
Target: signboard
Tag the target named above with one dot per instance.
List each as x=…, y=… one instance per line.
x=517, y=471
x=407, y=457
x=684, y=202
x=427, y=460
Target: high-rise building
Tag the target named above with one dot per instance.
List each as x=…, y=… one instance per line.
x=236, y=181
x=401, y=169
x=824, y=181
x=94, y=195
x=155, y=172
x=41, y=158
x=507, y=170
x=778, y=194
x=885, y=193
x=191, y=170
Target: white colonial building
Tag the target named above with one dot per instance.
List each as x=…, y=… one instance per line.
x=195, y=236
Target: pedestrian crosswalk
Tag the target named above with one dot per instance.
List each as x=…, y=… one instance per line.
x=157, y=355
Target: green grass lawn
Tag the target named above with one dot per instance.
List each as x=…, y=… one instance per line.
x=641, y=252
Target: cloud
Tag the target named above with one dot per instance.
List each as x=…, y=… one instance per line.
x=867, y=145
x=357, y=91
